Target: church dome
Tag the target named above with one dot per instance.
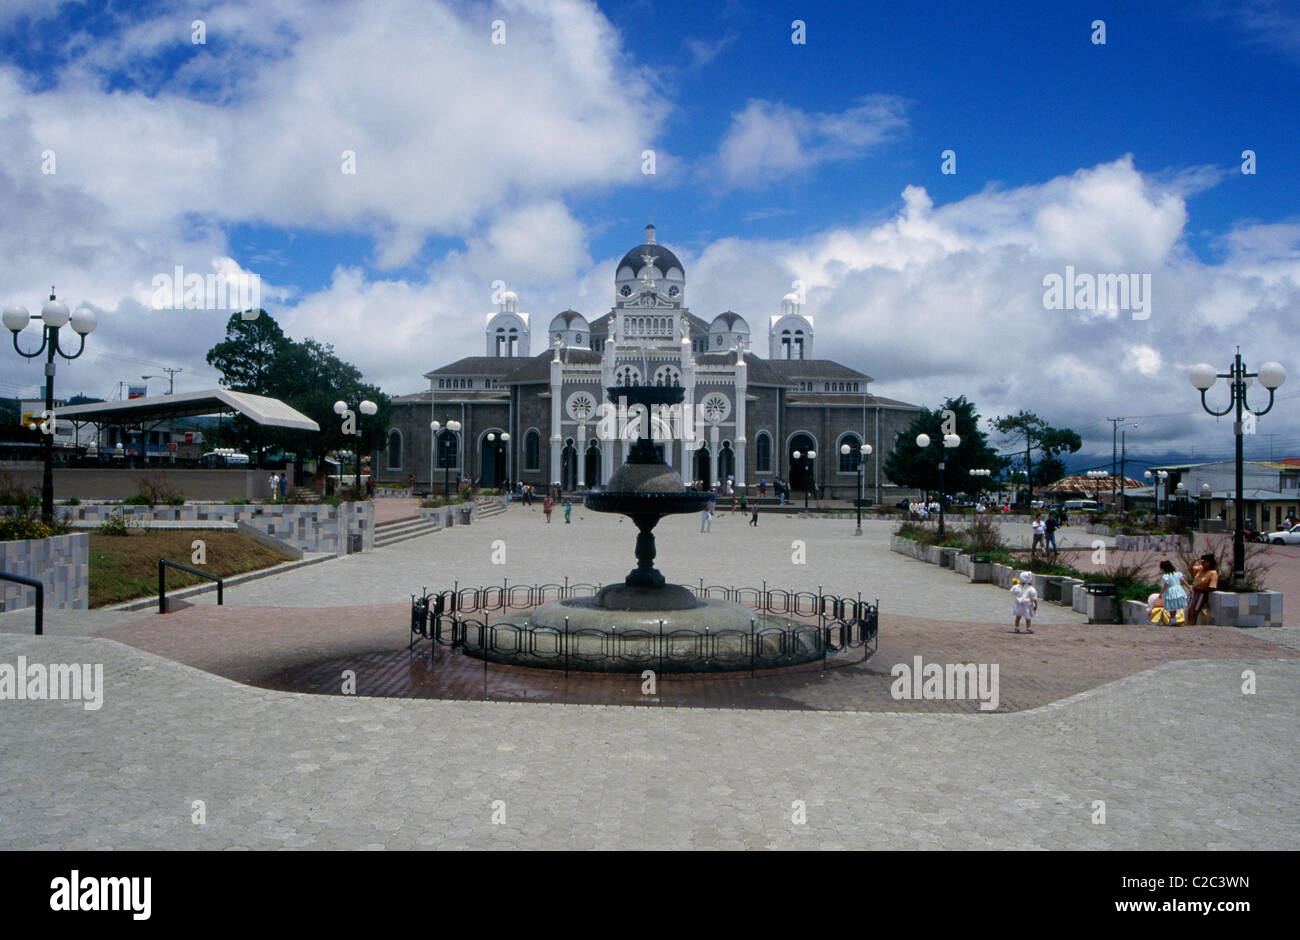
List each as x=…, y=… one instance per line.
x=569, y=320
x=664, y=259
x=729, y=322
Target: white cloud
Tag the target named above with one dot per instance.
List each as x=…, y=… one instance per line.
x=770, y=140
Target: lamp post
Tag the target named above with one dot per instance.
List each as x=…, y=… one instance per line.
x=1271, y=375
x=805, y=461
x=1206, y=493
x=980, y=474
x=498, y=449
x=53, y=316
x=865, y=451
x=171, y=390
x=1163, y=476
x=949, y=442
x=1097, y=475
x=454, y=428
x=367, y=407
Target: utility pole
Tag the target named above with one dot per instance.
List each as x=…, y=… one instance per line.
x=171, y=389
x=1114, y=453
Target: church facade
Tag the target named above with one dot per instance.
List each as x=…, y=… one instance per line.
x=543, y=417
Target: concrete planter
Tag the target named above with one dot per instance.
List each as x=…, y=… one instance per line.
x=1258, y=609
x=61, y=563
x=948, y=557
x=1050, y=586
x=308, y=527
x=1134, y=612
x=1068, y=587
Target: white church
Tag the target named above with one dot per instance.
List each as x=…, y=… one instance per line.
x=515, y=414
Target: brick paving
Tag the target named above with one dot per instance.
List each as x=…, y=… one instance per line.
x=308, y=650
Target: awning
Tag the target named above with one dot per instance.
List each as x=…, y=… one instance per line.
x=270, y=412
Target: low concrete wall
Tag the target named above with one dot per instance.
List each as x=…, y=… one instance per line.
x=61, y=563
x=1259, y=609
x=308, y=527
x=113, y=483
x=1153, y=543
x=270, y=541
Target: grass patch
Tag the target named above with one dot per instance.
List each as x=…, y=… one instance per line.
x=123, y=568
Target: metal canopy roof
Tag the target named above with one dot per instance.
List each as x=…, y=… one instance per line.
x=270, y=412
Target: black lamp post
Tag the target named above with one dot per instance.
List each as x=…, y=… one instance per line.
x=53, y=316
x=498, y=451
x=865, y=451
x=367, y=407
x=949, y=441
x=806, y=461
x=454, y=428
x=1271, y=375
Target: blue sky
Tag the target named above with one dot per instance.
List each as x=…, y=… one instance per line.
x=522, y=161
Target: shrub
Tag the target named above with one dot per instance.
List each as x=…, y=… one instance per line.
x=239, y=501
x=115, y=524
x=73, y=501
x=155, y=489
x=984, y=534
x=13, y=493
x=1256, y=568
x=22, y=527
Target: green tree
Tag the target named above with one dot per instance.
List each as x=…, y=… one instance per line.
x=258, y=357
x=1028, y=432
x=907, y=465
x=1048, y=470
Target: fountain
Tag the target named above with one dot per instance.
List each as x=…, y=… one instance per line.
x=645, y=489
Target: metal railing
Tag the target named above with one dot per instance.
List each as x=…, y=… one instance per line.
x=164, y=564
x=832, y=626
x=40, y=596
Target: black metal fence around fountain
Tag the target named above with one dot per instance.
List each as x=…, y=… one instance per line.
x=835, y=630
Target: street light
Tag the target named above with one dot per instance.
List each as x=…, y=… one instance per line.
x=865, y=451
x=1271, y=375
x=367, y=407
x=949, y=442
x=498, y=449
x=171, y=389
x=454, y=428
x=806, y=460
x=53, y=316
x=1163, y=476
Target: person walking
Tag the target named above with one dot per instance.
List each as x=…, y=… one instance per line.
x=1040, y=532
x=1049, y=534
x=273, y=481
x=284, y=486
x=762, y=489
x=706, y=517
x=753, y=515
x=744, y=504
x=548, y=505
x=568, y=510
x=1174, y=591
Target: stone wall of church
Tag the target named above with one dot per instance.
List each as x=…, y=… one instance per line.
x=534, y=412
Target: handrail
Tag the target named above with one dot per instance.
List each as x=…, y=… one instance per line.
x=164, y=564
x=40, y=596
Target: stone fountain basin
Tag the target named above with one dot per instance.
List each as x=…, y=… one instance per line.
x=647, y=503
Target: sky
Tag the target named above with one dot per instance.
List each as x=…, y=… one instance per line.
x=924, y=169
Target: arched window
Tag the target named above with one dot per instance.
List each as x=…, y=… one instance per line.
x=533, y=450
x=394, y=449
x=447, y=449
x=849, y=462
x=763, y=453
x=668, y=375
x=627, y=375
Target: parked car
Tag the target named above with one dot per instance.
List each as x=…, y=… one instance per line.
x=1289, y=536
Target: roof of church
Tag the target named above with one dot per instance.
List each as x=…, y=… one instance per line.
x=760, y=370
x=477, y=365
x=538, y=368
x=664, y=259
x=816, y=369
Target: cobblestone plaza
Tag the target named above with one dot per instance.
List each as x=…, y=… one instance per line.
x=1149, y=725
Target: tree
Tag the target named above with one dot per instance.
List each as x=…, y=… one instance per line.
x=1048, y=470
x=1025, y=429
x=257, y=357
x=907, y=465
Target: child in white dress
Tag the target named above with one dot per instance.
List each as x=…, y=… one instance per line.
x=1024, y=600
